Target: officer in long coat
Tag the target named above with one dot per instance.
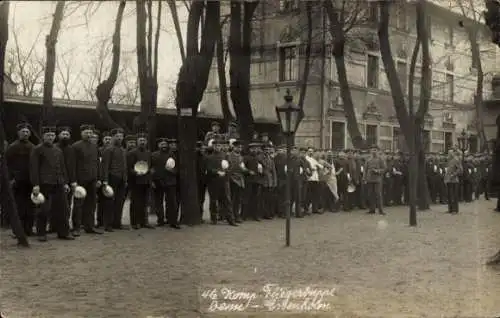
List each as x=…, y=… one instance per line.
x=375, y=169
x=253, y=182
x=218, y=185
x=281, y=175
x=201, y=175
x=269, y=181
x=453, y=170
x=18, y=160
x=48, y=176
x=101, y=200
x=139, y=184
x=213, y=133
x=236, y=179
x=87, y=175
x=114, y=173
x=64, y=143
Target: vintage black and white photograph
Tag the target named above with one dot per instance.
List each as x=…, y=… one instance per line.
x=250, y=158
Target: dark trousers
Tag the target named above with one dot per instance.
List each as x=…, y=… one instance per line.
x=374, y=192
x=361, y=195
x=397, y=190
x=268, y=201
x=443, y=192
x=84, y=209
x=100, y=206
x=54, y=207
x=387, y=189
x=202, y=190
x=483, y=188
x=166, y=195
x=453, y=194
x=22, y=192
x=113, y=215
x=138, y=204
x=467, y=190
x=252, y=196
x=220, y=199
x=281, y=203
x=313, y=195
x=296, y=196
x=236, y=199
x=327, y=198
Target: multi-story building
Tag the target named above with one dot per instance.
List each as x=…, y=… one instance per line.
x=278, y=63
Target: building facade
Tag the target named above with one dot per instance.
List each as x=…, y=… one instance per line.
x=278, y=63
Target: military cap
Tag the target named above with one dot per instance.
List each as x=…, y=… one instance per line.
x=86, y=127
x=233, y=124
x=254, y=144
x=236, y=143
x=115, y=131
x=302, y=149
x=160, y=140
x=105, y=134
x=215, y=123
x=63, y=128
x=23, y=126
x=142, y=135
x=267, y=145
x=199, y=143
x=172, y=140
x=264, y=134
x=49, y=129
x=96, y=131
x=283, y=146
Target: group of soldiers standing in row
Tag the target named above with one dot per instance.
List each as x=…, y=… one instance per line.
x=242, y=184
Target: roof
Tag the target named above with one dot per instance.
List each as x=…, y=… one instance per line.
x=79, y=104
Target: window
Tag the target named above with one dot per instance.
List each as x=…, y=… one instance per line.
x=386, y=145
x=448, y=141
x=371, y=134
x=396, y=137
x=437, y=90
x=401, y=17
x=289, y=5
x=450, y=88
x=438, y=135
x=403, y=75
x=426, y=140
x=372, y=71
x=288, y=67
x=437, y=147
x=373, y=13
x=473, y=144
x=385, y=131
x=338, y=135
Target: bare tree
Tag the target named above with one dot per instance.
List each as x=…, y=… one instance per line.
x=50, y=64
x=472, y=24
x=344, y=17
x=191, y=85
x=104, y=88
x=7, y=202
x=126, y=90
x=24, y=66
x=147, y=65
x=411, y=123
x=221, y=73
x=66, y=76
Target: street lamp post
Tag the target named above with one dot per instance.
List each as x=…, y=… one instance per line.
x=463, y=142
x=289, y=116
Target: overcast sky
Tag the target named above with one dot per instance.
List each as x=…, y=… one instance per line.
x=86, y=33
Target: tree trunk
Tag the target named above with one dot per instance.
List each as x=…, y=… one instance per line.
x=103, y=91
x=7, y=202
x=177, y=26
x=50, y=65
x=239, y=71
x=478, y=95
x=337, y=33
x=307, y=57
x=221, y=72
x=191, y=85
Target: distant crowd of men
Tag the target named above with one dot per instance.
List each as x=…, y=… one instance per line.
x=242, y=184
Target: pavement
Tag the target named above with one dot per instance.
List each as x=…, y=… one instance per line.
x=378, y=266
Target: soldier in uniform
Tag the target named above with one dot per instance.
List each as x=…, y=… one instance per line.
x=467, y=180
x=87, y=175
x=237, y=180
x=139, y=184
x=397, y=180
x=375, y=169
x=442, y=189
x=130, y=142
x=281, y=176
x=106, y=142
x=18, y=160
x=213, y=133
x=158, y=174
x=64, y=144
x=432, y=172
x=48, y=176
x=269, y=181
x=218, y=185
x=265, y=139
x=388, y=179
x=114, y=174
x=484, y=173
x=253, y=183
x=201, y=175
x=453, y=171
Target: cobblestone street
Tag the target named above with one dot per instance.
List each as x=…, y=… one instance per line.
x=434, y=270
